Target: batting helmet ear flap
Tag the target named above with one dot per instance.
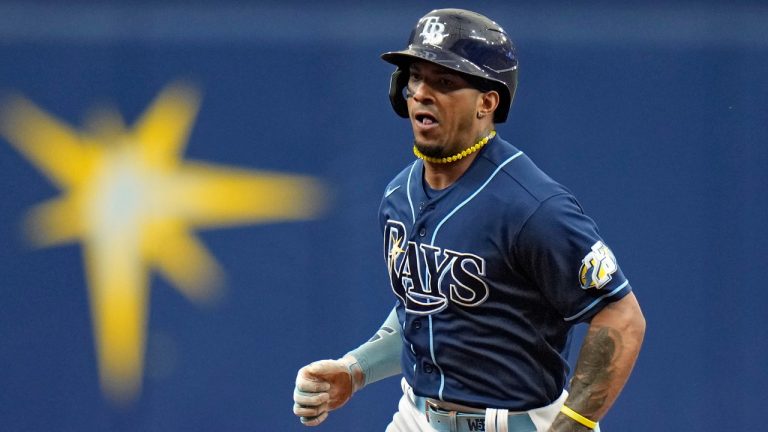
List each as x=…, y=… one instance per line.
x=396, y=97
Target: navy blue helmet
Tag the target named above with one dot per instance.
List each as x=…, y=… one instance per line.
x=463, y=41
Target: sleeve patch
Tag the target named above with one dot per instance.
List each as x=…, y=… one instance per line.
x=597, y=267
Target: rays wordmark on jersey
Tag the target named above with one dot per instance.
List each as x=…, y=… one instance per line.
x=426, y=278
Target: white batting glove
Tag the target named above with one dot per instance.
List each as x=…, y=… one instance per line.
x=321, y=387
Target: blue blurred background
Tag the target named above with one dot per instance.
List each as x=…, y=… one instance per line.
x=655, y=114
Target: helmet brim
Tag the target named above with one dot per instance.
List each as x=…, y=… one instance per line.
x=403, y=59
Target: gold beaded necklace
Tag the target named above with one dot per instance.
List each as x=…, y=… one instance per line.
x=464, y=153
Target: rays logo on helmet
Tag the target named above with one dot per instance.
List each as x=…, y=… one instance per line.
x=433, y=31
x=597, y=267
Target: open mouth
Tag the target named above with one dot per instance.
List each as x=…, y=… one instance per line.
x=425, y=119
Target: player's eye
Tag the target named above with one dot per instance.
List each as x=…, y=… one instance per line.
x=413, y=82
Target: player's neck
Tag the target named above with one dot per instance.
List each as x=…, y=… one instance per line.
x=440, y=175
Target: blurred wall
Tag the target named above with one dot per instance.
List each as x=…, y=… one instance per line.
x=654, y=115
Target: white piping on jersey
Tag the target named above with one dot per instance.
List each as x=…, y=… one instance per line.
x=434, y=360
x=432, y=243
x=597, y=300
x=503, y=164
x=408, y=189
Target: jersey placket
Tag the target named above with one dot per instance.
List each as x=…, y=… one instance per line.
x=421, y=234
x=427, y=363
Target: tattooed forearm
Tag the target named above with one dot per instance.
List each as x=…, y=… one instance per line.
x=593, y=376
x=594, y=371
x=608, y=353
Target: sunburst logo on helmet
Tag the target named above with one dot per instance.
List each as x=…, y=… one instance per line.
x=433, y=31
x=597, y=267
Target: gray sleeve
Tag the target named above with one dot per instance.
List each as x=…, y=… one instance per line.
x=379, y=358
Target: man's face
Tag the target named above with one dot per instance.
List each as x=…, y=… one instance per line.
x=443, y=109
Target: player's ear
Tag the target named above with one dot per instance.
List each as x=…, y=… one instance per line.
x=487, y=103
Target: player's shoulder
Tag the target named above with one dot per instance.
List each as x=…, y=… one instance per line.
x=516, y=170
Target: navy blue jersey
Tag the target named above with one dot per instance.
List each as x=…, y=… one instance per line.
x=490, y=275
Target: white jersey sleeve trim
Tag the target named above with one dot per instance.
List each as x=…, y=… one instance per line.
x=598, y=300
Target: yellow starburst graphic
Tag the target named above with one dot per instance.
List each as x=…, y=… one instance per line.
x=396, y=249
x=133, y=203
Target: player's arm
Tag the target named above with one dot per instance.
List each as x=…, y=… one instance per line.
x=605, y=361
x=326, y=385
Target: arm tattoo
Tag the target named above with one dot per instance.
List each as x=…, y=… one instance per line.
x=594, y=371
x=592, y=377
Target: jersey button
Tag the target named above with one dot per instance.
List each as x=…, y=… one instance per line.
x=416, y=324
x=422, y=232
x=428, y=368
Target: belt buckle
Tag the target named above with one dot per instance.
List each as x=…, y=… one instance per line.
x=429, y=405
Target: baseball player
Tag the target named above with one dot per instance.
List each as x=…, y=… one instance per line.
x=490, y=260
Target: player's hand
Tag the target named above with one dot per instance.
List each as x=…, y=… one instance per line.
x=321, y=387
